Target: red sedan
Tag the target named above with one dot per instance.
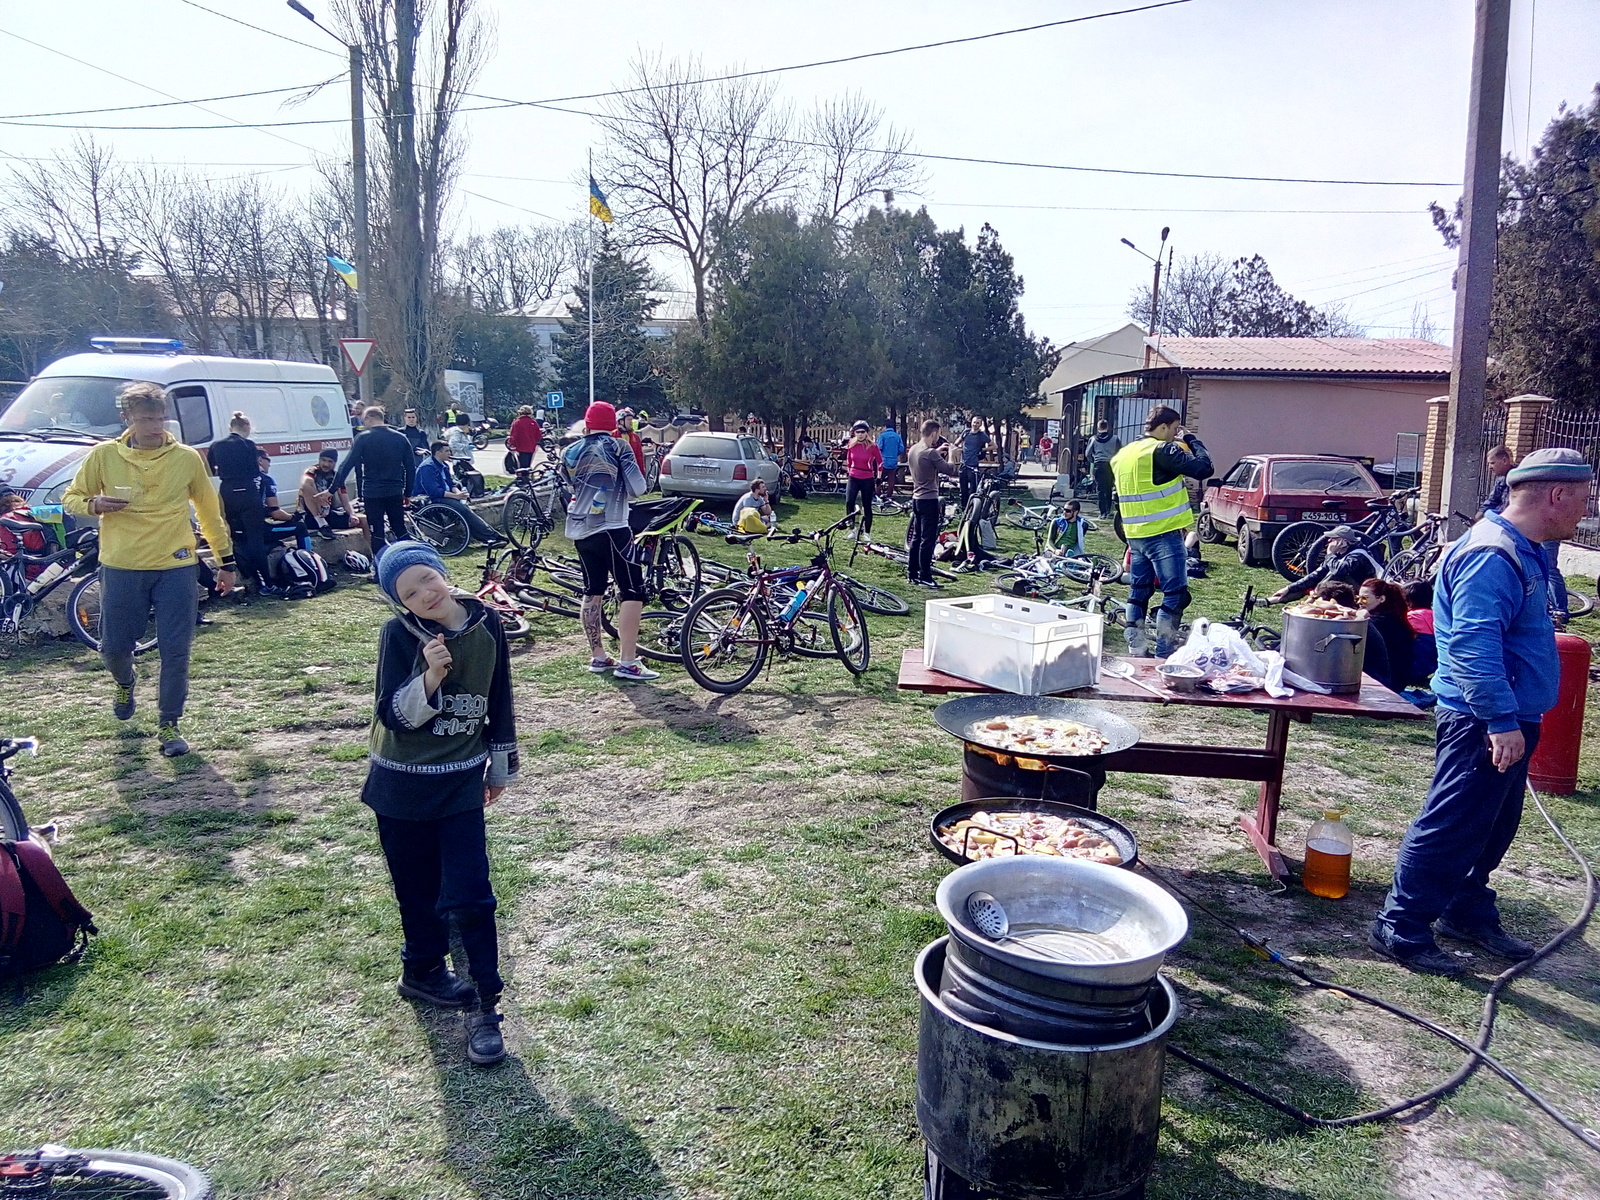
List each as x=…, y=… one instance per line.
x=1263, y=493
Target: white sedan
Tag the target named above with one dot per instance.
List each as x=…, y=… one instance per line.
x=716, y=466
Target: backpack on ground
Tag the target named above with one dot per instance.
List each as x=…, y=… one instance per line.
x=301, y=573
x=41, y=921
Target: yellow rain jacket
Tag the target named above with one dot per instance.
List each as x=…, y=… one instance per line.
x=154, y=533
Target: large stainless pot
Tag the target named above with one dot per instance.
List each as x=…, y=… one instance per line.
x=1327, y=652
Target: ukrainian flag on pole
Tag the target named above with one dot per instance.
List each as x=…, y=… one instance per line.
x=597, y=202
x=344, y=271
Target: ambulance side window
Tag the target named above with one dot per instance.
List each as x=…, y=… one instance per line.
x=194, y=414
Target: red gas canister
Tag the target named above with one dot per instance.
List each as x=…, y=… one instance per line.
x=1554, y=766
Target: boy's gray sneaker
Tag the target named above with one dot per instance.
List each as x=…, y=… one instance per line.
x=440, y=987
x=122, y=705
x=485, y=1046
x=1496, y=940
x=1432, y=961
x=172, y=745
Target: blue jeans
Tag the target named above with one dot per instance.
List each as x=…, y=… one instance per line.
x=1558, y=583
x=1465, y=827
x=1159, y=562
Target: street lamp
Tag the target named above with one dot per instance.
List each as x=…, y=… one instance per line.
x=1155, y=285
x=358, y=168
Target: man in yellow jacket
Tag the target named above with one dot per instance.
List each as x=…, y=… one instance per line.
x=141, y=486
x=1153, y=502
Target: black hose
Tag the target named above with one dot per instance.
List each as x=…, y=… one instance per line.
x=1476, y=1050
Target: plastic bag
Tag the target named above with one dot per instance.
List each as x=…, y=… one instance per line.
x=1217, y=648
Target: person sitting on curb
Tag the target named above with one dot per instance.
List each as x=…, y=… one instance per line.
x=321, y=505
x=1344, y=562
x=436, y=482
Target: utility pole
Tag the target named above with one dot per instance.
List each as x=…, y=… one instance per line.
x=1469, y=366
x=1155, y=285
x=358, y=167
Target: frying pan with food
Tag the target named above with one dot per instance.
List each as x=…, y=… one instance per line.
x=962, y=716
x=1118, y=834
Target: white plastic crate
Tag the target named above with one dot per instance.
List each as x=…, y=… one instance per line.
x=1013, y=645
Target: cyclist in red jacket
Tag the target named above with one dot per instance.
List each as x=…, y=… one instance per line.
x=524, y=437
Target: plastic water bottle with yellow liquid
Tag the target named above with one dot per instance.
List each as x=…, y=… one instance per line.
x=1329, y=846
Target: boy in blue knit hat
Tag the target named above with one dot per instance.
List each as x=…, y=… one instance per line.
x=443, y=747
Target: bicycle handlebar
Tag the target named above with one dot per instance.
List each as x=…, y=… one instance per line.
x=9, y=747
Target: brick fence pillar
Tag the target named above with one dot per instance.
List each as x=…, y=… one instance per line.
x=1524, y=423
x=1435, y=453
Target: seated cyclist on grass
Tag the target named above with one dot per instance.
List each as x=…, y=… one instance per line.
x=752, y=512
x=1069, y=532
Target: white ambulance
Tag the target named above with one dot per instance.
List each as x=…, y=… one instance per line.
x=296, y=410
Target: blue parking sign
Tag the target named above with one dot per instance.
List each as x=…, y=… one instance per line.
x=554, y=400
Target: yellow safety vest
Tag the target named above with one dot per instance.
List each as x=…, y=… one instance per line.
x=1147, y=508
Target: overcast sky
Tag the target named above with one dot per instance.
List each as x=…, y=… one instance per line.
x=1335, y=89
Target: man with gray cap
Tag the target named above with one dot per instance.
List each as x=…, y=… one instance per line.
x=1498, y=675
x=1342, y=562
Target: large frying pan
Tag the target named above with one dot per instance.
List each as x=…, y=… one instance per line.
x=957, y=717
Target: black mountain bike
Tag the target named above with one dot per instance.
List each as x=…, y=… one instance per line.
x=1301, y=546
x=49, y=1171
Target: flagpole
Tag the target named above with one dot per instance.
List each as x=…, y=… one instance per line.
x=590, y=304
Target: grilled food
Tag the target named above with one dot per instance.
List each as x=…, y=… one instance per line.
x=987, y=835
x=1039, y=735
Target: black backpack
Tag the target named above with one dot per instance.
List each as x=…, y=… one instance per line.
x=301, y=573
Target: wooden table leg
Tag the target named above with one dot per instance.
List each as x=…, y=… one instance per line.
x=1263, y=827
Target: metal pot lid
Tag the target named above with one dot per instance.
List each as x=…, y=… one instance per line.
x=959, y=717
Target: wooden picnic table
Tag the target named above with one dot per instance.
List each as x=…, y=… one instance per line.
x=1265, y=765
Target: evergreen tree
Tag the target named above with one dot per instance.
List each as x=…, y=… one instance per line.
x=628, y=365
x=893, y=248
x=508, y=356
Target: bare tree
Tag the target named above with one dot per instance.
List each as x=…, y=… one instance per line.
x=855, y=156
x=1423, y=326
x=421, y=56
x=71, y=200
x=514, y=267
x=684, y=160
x=1194, y=298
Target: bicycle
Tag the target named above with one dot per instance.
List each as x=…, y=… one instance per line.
x=1034, y=516
x=13, y=823
x=532, y=500
x=20, y=596
x=56, y=1171
x=493, y=592
x=1300, y=546
x=1419, y=560
x=440, y=526
x=728, y=634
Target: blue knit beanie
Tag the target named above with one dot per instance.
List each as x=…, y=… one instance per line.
x=397, y=556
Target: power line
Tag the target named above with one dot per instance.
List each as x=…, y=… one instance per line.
x=1352, y=212
x=80, y=112
x=508, y=204
x=148, y=88
x=269, y=32
x=850, y=58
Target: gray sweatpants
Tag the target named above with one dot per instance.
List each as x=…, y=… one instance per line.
x=126, y=598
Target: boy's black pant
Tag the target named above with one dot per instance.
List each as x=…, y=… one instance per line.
x=440, y=871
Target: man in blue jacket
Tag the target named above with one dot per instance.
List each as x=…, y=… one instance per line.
x=436, y=481
x=1498, y=675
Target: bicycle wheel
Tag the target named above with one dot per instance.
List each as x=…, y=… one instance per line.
x=1091, y=567
x=1408, y=566
x=1026, y=520
x=887, y=506
x=480, y=441
x=1291, y=546
x=678, y=569
x=813, y=637
x=442, y=528
x=521, y=521
x=660, y=636
x=83, y=614
x=1579, y=604
x=875, y=599
x=513, y=622
x=849, y=628
x=52, y=1171
x=725, y=640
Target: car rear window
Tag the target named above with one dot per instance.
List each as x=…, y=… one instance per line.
x=706, y=447
x=1322, y=477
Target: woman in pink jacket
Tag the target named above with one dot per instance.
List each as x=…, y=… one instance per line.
x=863, y=464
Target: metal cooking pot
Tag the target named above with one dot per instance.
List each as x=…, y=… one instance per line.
x=1327, y=652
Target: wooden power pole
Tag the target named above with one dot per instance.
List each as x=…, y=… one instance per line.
x=1469, y=367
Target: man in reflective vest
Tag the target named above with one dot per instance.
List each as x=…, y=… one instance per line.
x=1153, y=502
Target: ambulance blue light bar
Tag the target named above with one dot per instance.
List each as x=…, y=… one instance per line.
x=136, y=345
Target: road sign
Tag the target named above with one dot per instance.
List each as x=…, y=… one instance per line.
x=356, y=352
x=554, y=400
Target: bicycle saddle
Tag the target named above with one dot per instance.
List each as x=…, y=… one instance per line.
x=18, y=525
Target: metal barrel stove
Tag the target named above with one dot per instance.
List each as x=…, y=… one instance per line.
x=1038, y=1078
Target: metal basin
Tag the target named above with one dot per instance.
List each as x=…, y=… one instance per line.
x=1123, y=925
x=1331, y=653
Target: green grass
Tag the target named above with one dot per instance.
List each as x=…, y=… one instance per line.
x=710, y=908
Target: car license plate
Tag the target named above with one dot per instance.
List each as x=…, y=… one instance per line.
x=1321, y=514
x=694, y=470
